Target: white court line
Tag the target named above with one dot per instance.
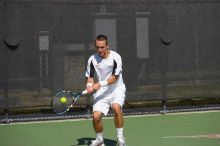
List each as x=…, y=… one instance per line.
x=196, y=136
x=128, y=116
x=180, y=137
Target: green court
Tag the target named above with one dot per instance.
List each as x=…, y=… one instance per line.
x=182, y=129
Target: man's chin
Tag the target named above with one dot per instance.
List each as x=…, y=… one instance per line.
x=101, y=55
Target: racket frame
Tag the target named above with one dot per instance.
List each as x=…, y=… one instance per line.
x=74, y=95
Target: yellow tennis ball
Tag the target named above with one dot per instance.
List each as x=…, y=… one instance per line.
x=63, y=100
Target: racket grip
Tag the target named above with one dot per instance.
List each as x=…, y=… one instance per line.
x=84, y=92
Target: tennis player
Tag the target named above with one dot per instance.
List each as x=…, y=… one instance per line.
x=109, y=90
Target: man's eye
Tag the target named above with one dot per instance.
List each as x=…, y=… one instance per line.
x=100, y=47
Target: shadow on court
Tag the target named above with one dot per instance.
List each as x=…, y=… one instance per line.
x=87, y=141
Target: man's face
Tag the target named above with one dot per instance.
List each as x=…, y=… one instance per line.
x=101, y=48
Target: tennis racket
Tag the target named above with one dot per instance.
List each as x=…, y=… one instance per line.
x=63, y=101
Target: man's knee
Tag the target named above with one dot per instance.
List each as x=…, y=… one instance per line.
x=116, y=108
x=97, y=116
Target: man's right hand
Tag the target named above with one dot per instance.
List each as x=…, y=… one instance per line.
x=89, y=88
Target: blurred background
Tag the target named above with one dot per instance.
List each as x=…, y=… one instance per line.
x=170, y=53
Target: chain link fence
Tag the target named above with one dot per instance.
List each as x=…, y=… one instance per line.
x=170, y=53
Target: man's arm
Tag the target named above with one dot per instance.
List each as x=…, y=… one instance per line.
x=111, y=80
x=90, y=80
x=91, y=86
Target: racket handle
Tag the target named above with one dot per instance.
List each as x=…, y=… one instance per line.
x=84, y=92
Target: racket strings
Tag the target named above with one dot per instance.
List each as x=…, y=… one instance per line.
x=59, y=106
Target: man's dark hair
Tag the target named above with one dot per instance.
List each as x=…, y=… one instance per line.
x=102, y=38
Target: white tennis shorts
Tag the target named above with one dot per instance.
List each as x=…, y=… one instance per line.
x=103, y=99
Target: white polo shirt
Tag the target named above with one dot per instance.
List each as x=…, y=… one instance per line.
x=105, y=67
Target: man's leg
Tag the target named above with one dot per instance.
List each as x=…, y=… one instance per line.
x=98, y=127
x=97, y=122
x=119, y=123
x=118, y=119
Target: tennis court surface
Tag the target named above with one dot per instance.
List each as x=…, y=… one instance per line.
x=182, y=129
